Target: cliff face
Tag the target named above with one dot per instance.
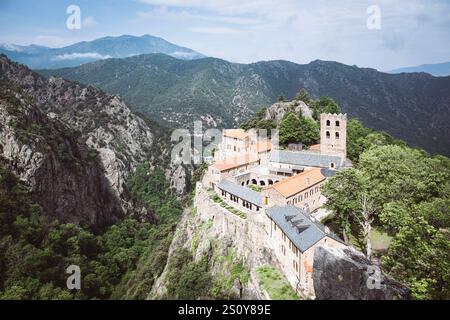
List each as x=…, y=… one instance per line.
x=65, y=175
x=106, y=123
x=213, y=234
x=79, y=124
x=345, y=274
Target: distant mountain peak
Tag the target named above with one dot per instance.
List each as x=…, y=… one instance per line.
x=39, y=57
x=436, y=69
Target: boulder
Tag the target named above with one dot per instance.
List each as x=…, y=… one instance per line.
x=346, y=274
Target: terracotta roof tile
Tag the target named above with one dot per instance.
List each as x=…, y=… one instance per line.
x=235, y=162
x=299, y=182
x=262, y=146
x=236, y=133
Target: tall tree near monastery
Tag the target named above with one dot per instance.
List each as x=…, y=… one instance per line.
x=405, y=192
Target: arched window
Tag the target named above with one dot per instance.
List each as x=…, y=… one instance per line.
x=254, y=181
x=262, y=183
x=327, y=134
x=337, y=135
x=332, y=165
x=270, y=181
x=337, y=123
x=328, y=123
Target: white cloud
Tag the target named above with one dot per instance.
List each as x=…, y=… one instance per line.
x=89, y=22
x=301, y=31
x=188, y=16
x=185, y=55
x=215, y=30
x=86, y=55
x=10, y=47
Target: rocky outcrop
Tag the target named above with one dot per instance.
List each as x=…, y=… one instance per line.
x=119, y=138
x=277, y=111
x=66, y=176
x=105, y=122
x=209, y=230
x=179, y=179
x=345, y=274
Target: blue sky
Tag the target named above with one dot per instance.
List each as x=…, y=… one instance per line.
x=412, y=32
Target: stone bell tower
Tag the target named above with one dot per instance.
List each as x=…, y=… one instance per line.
x=333, y=134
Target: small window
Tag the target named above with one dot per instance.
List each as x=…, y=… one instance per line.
x=337, y=123
x=328, y=123
x=328, y=134
x=332, y=165
x=337, y=135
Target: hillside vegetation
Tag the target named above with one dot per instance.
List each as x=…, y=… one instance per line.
x=120, y=261
x=412, y=107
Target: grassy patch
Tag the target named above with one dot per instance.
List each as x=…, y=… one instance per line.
x=233, y=268
x=380, y=240
x=275, y=284
x=195, y=242
x=224, y=205
x=207, y=224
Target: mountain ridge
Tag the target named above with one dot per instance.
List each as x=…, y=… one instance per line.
x=35, y=56
x=435, y=69
x=413, y=107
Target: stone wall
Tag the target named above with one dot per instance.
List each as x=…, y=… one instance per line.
x=247, y=235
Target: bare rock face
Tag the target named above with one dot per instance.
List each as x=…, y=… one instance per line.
x=65, y=176
x=106, y=124
x=179, y=180
x=277, y=111
x=345, y=274
x=117, y=139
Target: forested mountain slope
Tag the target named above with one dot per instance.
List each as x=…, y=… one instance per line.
x=414, y=107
